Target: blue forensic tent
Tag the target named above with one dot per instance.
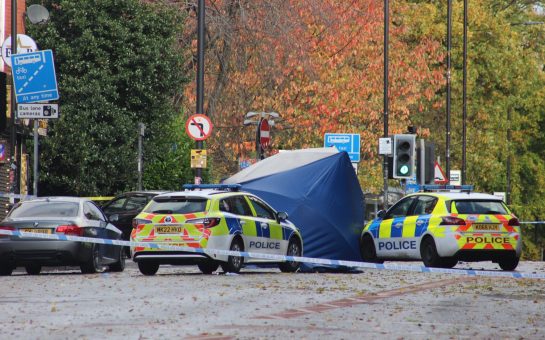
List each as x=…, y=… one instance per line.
x=319, y=190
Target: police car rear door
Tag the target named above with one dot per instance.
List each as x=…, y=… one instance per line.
x=417, y=223
x=243, y=221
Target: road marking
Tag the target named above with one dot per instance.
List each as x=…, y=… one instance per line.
x=362, y=299
x=293, y=330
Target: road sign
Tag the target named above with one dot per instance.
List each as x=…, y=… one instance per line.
x=439, y=177
x=349, y=142
x=412, y=188
x=25, y=44
x=34, y=77
x=500, y=194
x=198, y=158
x=264, y=133
x=39, y=111
x=456, y=177
x=198, y=127
x=385, y=146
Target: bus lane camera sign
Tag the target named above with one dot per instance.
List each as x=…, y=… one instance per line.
x=34, y=77
x=37, y=111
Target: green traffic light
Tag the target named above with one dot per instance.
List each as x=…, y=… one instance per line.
x=404, y=170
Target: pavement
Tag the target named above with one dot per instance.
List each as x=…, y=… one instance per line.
x=179, y=302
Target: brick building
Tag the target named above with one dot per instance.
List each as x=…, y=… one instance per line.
x=7, y=176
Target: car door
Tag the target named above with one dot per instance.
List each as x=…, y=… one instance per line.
x=273, y=240
x=389, y=243
x=104, y=229
x=239, y=218
x=416, y=223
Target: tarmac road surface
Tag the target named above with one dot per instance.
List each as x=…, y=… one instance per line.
x=181, y=303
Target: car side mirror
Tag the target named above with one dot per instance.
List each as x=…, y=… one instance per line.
x=281, y=216
x=113, y=218
x=381, y=214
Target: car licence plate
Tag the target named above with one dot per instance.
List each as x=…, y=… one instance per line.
x=36, y=230
x=168, y=229
x=486, y=227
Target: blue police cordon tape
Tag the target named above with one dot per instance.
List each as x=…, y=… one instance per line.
x=352, y=264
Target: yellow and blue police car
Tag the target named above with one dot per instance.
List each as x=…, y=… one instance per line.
x=212, y=217
x=441, y=226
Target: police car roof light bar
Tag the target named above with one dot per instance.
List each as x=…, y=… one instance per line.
x=226, y=187
x=435, y=187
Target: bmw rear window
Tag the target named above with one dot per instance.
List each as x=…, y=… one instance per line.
x=45, y=209
x=490, y=207
x=176, y=205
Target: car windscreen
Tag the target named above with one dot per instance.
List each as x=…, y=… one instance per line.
x=176, y=205
x=45, y=209
x=480, y=207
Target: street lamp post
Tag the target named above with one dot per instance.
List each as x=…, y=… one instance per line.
x=256, y=118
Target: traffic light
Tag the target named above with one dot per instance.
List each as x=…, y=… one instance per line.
x=425, y=162
x=404, y=156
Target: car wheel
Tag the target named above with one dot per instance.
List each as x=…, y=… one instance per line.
x=368, y=251
x=234, y=263
x=509, y=263
x=6, y=269
x=94, y=263
x=208, y=266
x=428, y=252
x=33, y=269
x=148, y=268
x=119, y=266
x=294, y=249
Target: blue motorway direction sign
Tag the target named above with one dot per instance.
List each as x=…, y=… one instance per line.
x=34, y=77
x=349, y=142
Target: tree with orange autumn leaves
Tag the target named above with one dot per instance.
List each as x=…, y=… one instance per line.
x=319, y=63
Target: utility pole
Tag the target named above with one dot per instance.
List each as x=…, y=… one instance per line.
x=449, y=45
x=385, y=160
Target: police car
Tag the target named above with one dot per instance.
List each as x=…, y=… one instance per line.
x=212, y=217
x=441, y=226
